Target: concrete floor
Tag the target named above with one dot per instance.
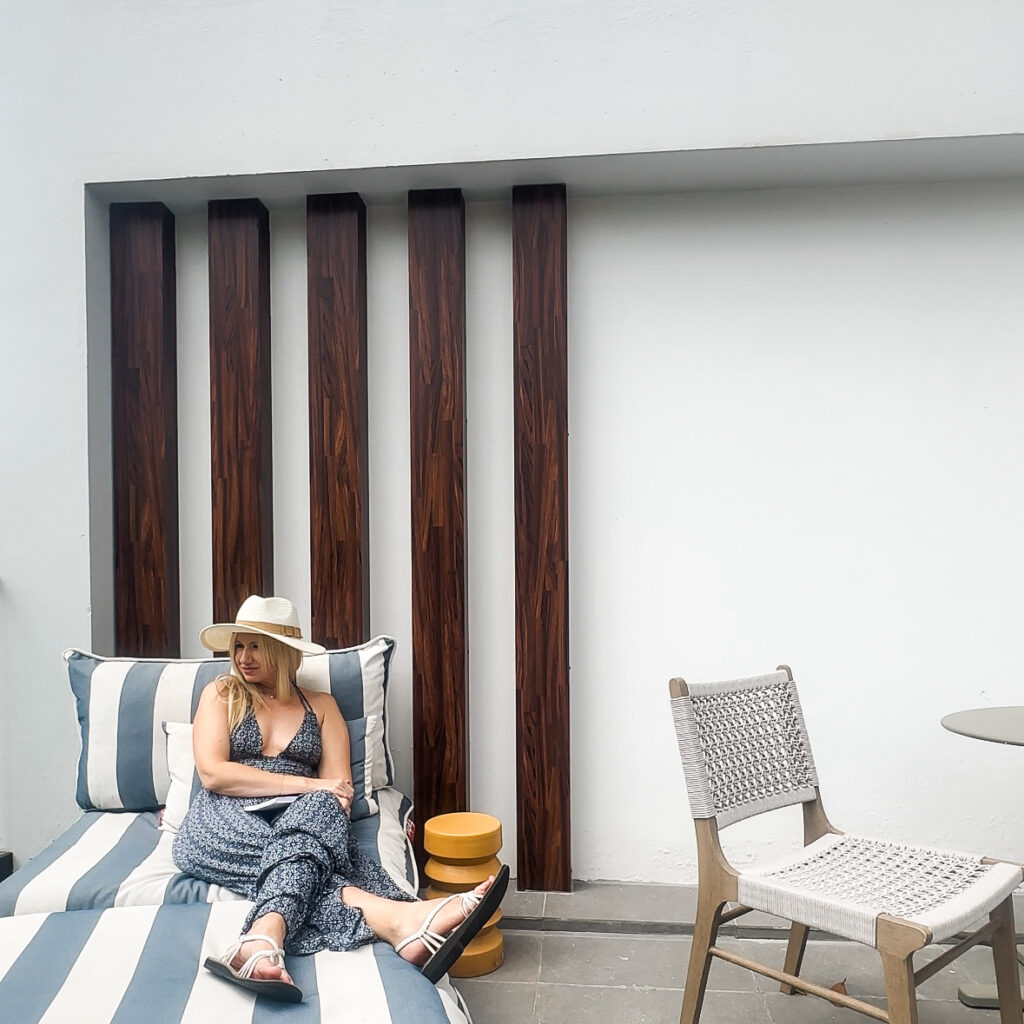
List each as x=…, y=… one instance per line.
x=590, y=956
x=555, y=977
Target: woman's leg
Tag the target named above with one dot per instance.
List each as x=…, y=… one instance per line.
x=308, y=856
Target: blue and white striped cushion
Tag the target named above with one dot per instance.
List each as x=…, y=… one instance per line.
x=145, y=963
x=122, y=703
x=118, y=860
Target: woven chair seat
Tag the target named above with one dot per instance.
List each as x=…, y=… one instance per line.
x=841, y=883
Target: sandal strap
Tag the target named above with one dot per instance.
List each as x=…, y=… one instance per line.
x=431, y=939
x=245, y=971
x=469, y=902
x=275, y=954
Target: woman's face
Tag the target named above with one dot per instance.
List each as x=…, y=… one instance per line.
x=249, y=660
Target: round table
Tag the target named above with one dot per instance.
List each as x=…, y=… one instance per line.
x=996, y=725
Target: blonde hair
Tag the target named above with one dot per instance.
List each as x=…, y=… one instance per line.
x=240, y=695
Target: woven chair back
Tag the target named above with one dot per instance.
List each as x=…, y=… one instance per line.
x=744, y=747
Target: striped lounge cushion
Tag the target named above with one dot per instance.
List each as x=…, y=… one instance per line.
x=118, y=860
x=122, y=704
x=135, y=964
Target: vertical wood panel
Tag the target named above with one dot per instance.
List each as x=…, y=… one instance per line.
x=144, y=430
x=541, y=536
x=437, y=353
x=240, y=413
x=338, y=467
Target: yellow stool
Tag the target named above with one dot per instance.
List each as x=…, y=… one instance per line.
x=462, y=850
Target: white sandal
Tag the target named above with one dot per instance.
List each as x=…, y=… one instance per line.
x=476, y=908
x=272, y=988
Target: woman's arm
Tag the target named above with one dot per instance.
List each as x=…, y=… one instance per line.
x=335, y=761
x=211, y=746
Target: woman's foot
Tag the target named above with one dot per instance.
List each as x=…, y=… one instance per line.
x=267, y=968
x=256, y=962
x=394, y=921
x=448, y=915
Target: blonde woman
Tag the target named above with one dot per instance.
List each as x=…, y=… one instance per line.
x=257, y=734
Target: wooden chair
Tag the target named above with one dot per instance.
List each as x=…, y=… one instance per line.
x=745, y=750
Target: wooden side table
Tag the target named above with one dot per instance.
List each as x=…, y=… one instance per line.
x=463, y=851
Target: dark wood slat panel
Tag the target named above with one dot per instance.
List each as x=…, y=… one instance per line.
x=437, y=354
x=144, y=427
x=541, y=536
x=338, y=465
x=240, y=413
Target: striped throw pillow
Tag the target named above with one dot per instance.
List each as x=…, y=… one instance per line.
x=122, y=703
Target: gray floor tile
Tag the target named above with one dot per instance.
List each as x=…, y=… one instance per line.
x=498, y=1002
x=588, y=959
x=593, y=901
x=522, y=959
x=824, y=963
x=731, y=1008
x=726, y=977
x=953, y=1013
x=802, y=1009
x=563, y=977
x=568, y=1004
x=527, y=905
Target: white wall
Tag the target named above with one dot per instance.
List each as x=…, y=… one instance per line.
x=796, y=426
x=876, y=327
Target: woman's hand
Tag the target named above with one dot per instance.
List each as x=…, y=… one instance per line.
x=342, y=789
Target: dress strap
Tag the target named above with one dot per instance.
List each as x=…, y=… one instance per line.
x=302, y=697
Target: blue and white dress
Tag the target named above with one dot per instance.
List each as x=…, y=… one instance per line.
x=294, y=862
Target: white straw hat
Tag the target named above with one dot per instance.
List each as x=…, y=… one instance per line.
x=275, y=617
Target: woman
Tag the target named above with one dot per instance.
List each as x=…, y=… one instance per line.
x=257, y=734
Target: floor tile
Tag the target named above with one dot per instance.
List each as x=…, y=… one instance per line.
x=593, y=901
x=731, y=1008
x=824, y=963
x=527, y=905
x=803, y=1009
x=614, y=960
x=563, y=1004
x=498, y=1002
x=522, y=959
x=726, y=977
x=564, y=977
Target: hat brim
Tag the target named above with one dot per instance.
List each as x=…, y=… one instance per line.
x=218, y=636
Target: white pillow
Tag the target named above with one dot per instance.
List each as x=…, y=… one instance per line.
x=181, y=764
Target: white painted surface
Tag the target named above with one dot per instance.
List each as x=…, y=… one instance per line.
x=853, y=354
x=795, y=420
x=238, y=86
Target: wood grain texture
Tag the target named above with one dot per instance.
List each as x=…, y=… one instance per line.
x=144, y=425
x=338, y=466
x=541, y=536
x=240, y=412
x=437, y=357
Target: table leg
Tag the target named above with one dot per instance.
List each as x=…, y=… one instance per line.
x=983, y=997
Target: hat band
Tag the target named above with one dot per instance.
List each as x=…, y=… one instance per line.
x=272, y=627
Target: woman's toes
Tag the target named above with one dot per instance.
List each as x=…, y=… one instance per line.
x=265, y=967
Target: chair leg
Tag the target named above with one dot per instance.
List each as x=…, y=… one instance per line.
x=900, y=992
x=1004, y=955
x=705, y=932
x=794, y=953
